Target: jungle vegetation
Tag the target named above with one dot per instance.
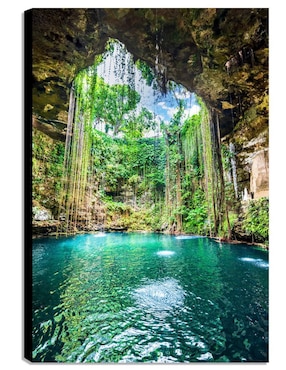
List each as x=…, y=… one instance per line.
x=122, y=169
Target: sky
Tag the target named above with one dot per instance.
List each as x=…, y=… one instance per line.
x=118, y=68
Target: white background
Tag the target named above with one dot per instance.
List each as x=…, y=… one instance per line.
x=11, y=156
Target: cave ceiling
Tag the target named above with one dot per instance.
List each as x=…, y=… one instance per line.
x=220, y=54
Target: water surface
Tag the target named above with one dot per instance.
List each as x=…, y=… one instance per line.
x=119, y=297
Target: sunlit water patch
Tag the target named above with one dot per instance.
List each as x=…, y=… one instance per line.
x=255, y=261
x=165, y=253
x=99, y=235
x=163, y=295
x=114, y=299
x=183, y=237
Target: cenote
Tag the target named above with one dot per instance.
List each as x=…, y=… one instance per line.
x=133, y=297
x=148, y=144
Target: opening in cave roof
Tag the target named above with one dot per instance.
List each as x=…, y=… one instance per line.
x=116, y=66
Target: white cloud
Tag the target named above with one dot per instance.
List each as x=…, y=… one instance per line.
x=162, y=104
x=171, y=111
x=193, y=110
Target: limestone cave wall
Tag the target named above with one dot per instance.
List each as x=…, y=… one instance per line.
x=220, y=54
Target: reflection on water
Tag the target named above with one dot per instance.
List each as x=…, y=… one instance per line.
x=165, y=253
x=99, y=235
x=185, y=237
x=115, y=298
x=255, y=261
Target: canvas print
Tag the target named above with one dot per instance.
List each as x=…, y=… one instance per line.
x=146, y=236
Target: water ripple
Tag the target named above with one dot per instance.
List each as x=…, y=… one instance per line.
x=122, y=298
x=161, y=295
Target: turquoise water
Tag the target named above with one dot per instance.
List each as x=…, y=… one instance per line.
x=120, y=297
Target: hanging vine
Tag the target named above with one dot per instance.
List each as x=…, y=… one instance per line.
x=183, y=172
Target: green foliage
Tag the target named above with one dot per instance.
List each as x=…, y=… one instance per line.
x=131, y=168
x=196, y=215
x=114, y=207
x=193, y=146
x=256, y=220
x=174, y=179
x=110, y=45
x=47, y=160
x=223, y=232
x=226, y=157
x=191, y=124
x=140, y=220
x=136, y=124
x=99, y=101
x=122, y=215
x=146, y=71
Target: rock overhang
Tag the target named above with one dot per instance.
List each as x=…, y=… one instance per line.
x=195, y=44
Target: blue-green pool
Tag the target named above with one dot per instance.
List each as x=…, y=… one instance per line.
x=118, y=297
